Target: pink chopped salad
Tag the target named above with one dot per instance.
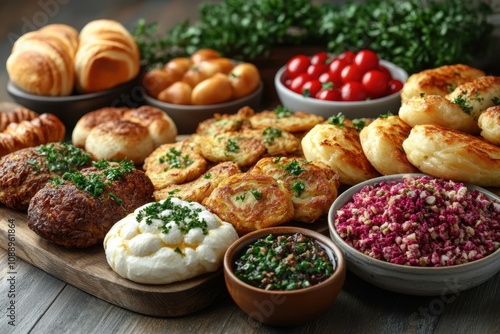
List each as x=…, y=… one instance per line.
x=421, y=221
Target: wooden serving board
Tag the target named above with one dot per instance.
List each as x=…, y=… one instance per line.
x=88, y=270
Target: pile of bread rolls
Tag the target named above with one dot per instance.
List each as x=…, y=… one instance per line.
x=203, y=78
x=56, y=59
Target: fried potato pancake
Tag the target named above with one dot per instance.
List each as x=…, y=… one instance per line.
x=455, y=155
x=276, y=141
x=438, y=81
x=437, y=110
x=226, y=122
x=477, y=95
x=173, y=164
x=382, y=143
x=291, y=121
x=200, y=188
x=251, y=201
x=243, y=149
x=313, y=187
x=339, y=147
x=489, y=122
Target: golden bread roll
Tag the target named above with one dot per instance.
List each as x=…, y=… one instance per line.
x=339, y=147
x=382, y=143
x=16, y=115
x=91, y=120
x=438, y=81
x=437, y=110
x=44, y=129
x=119, y=140
x=251, y=201
x=68, y=33
x=477, y=95
x=489, y=122
x=41, y=62
x=161, y=127
x=107, y=56
x=455, y=155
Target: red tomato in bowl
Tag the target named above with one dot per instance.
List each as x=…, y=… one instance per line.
x=353, y=91
x=297, y=65
x=366, y=60
x=375, y=83
x=311, y=87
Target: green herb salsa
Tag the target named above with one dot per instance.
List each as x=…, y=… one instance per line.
x=284, y=262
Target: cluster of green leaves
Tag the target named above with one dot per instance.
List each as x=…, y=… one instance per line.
x=414, y=34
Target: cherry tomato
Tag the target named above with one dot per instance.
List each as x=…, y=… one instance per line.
x=297, y=65
x=351, y=73
x=394, y=86
x=385, y=70
x=348, y=56
x=315, y=70
x=353, y=91
x=329, y=95
x=298, y=82
x=375, y=83
x=366, y=60
x=311, y=87
x=337, y=65
x=319, y=58
x=334, y=78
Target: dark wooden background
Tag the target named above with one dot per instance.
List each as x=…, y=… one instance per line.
x=48, y=305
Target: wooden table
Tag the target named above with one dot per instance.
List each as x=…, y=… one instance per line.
x=44, y=304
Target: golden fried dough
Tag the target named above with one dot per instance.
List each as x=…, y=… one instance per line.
x=438, y=81
x=200, y=188
x=243, y=149
x=339, y=147
x=291, y=121
x=455, y=155
x=225, y=122
x=477, y=95
x=382, y=143
x=276, y=141
x=437, y=110
x=489, y=122
x=173, y=164
x=251, y=201
x=313, y=187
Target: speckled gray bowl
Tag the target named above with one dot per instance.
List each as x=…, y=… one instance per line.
x=425, y=281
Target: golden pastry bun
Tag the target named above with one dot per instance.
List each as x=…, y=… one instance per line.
x=489, y=122
x=438, y=81
x=107, y=56
x=41, y=61
x=103, y=132
x=382, y=143
x=451, y=154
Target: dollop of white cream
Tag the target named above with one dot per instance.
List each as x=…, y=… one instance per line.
x=146, y=253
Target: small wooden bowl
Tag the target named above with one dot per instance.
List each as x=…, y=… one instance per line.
x=284, y=308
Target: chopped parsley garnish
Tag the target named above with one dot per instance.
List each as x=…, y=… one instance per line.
x=299, y=187
x=61, y=158
x=174, y=159
x=257, y=194
x=386, y=115
x=232, y=146
x=270, y=134
x=185, y=217
x=282, y=112
x=294, y=168
x=358, y=124
x=496, y=100
x=241, y=197
x=207, y=176
x=337, y=119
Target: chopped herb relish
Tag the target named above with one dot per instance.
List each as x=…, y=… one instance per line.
x=63, y=158
x=186, y=217
x=284, y=262
x=174, y=159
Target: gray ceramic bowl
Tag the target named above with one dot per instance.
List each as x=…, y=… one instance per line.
x=351, y=110
x=426, y=281
x=69, y=109
x=187, y=117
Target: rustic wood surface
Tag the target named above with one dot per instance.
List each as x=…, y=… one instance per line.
x=45, y=304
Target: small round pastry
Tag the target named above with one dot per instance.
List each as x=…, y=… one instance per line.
x=168, y=241
x=91, y=120
x=161, y=127
x=118, y=140
x=489, y=122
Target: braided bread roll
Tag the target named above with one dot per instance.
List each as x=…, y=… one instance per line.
x=16, y=115
x=40, y=130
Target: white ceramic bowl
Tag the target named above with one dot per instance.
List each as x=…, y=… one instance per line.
x=69, y=109
x=187, y=117
x=425, y=281
x=351, y=110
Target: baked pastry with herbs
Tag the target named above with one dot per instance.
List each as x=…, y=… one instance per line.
x=168, y=241
x=77, y=209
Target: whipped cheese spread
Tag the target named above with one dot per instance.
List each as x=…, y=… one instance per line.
x=168, y=241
